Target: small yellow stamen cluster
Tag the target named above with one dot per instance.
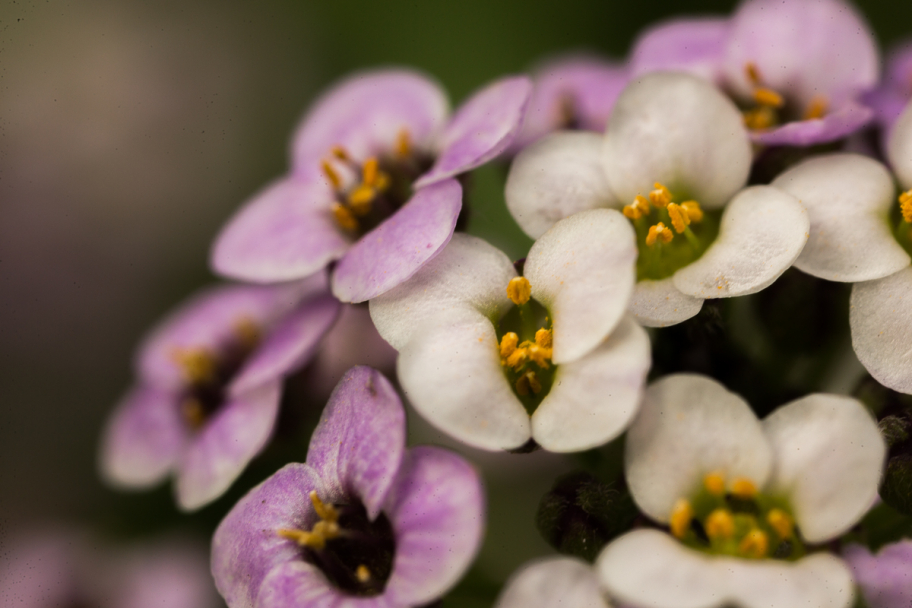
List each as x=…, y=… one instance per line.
x=325, y=529
x=198, y=365
x=680, y=215
x=514, y=354
x=363, y=574
x=905, y=206
x=357, y=201
x=768, y=102
x=817, y=108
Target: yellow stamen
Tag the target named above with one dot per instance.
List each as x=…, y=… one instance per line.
x=753, y=74
x=754, y=544
x=539, y=355
x=780, y=521
x=743, y=488
x=519, y=290
x=661, y=196
x=760, y=119
x=198, y=365
x=362, y=574
x=905, y=205
x=360, y=199
x=403, y=144
x=518, y=358
x=544, y=337
x=679, y=219
x=332, y=175
x=681, y=515
x=339, y=152
x=344, y=217
x=659, y=232
x=370, y=170
x=325, y=529
x=693, y=211
x=382, y=182
x=527, y=383
x=637, y=209
x=324, y=511
x=508, y=345
x=817, y=108
x=768, y=97
x=720, y=524
x=714, y=483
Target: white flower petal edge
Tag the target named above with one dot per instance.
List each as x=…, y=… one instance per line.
x=452, y=375
x=899, y=147
x=828, y=455
x=848, y=198
x=556, y=177
x=583, y=270
x=660, y=304
x=816, y=581
x=880, y=317
x=556, y=581
x=594, y=398
x=678, y=130
x=689, y=426
x=468, y=274
x=763, y=231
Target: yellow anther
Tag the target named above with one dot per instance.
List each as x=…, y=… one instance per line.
x=193, y=412
x=339, y=152
x=369, y=171
x=382, y=182
x=661, y=196
x=544, y=337
x=714, y=483
x=528, y=383
x=768, y=97
x=403, y=144
x=518, y=358
x=760, y=119
x=659, y=232
x=817, y=108
x=681, y=516
x=344, y=217
x=905, y=205
x=324, y=511
x=720, y=524
x=781, y=522
x=693, y=211
x=362, y=574
x=519, y=290
x=679, y=218
x=637, y=209
x=508, y=345
x=325, y=529
x=541, y=356
x=753, y=74
x=331, y=174
x=198, y=365
x=754, y=544
x=743, y=488
x=360, y=199
x=247, y=332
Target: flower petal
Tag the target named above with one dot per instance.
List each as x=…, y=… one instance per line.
x=452, y=375
x=556, y=177
x=358, y=446
x=820, y=580
x=594, y=398
x=689, y=426
x=245, y=546
x=468, y=274
x=365, y=114
x=583, y=271
x=899, y=147
x=397, y=248
x=143, y=439
x=221, y=450
x=660, y=304
x=553, y=581
x=880, y=317
x=843, y=121
x=689, y=45
x=763, y=231
x=884, y=578
x=828, y=456
x=437, y=511
x=298, y=583
x=650, y=569
x=284, y=232
x=481, y=130
x=679, y=130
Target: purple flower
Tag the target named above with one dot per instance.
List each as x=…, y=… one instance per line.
x=895, y=90
x=209, y=384
x=885, y=578
x=371, y=183
x=688, y=45
x=364, y=522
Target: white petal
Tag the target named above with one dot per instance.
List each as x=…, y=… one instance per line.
x=828, y=456
x=848, y=198
x=821, y=580
x=594, y=398
x=660, y=304
x=880, y=315
x=689, y=426
x=650, y=569
x=468, y=274
x=899, y=147
x=551, y=583
x=762, y=232
x=453, y=377
x=678, y=130
x=556, y=177
x=583, y=270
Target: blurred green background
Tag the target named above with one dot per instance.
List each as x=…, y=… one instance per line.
x=129, y=132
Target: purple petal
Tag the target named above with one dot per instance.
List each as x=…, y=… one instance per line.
x=299, y=583
x=887, y=104
x=482, y=128
x=689, y=45
x=437, y=511
x=886, y=578
x=245, y=546
x=225, y=445
x=365, y=114
x=358, y=446
x=143, y=439
x=899, y=67
x=286, y=231
x=397, y=248
x=173, y=574
x=843, y=122
x=290, y=345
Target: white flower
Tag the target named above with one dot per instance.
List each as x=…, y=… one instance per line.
x=738, y=493
x=672, y=138
x=555, y=360
x=553, y=582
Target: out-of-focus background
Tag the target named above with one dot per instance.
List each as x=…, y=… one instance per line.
x=130, y=131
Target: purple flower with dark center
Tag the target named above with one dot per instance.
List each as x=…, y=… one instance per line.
x=885, y=578
x=364, y=522
x=209, y=384
x=371, y=183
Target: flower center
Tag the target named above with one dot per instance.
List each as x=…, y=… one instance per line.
x=768, y=108
x=526, y=345
x=206, y=374
x=354, y=553
x=660, y=253
x=735, y=519
x=368, y=192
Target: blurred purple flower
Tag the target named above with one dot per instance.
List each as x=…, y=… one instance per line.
x=895, y=89
x=210, y=380
x=695, y=45
x=885, y=578
x=364, y=521
x=356, y=158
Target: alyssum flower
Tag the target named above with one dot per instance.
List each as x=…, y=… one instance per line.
x=209, y=385
x=747, y=502
x=675, y=157
x=364, y=522
x=371, y=183
x=495, y=359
